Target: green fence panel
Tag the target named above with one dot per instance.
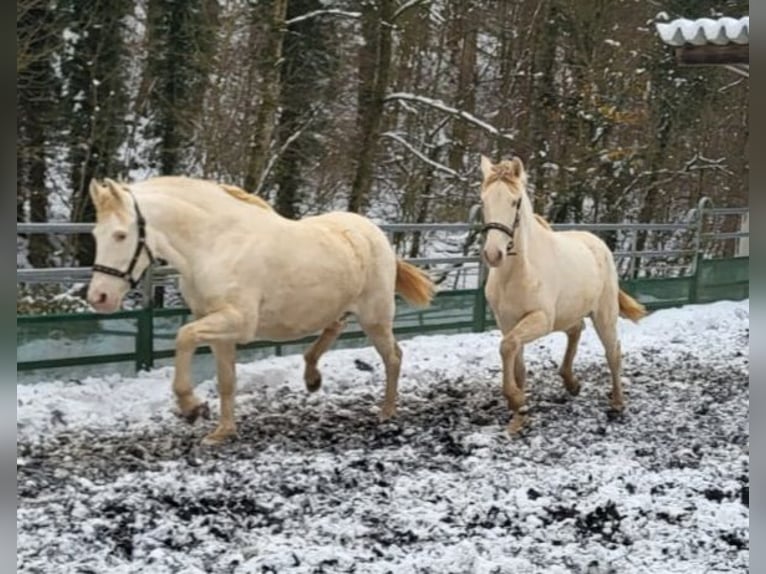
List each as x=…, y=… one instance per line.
x=723, y=279
x=659, y=293
x=146, y=335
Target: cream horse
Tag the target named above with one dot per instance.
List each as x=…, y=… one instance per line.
x=542, y=281
x=247, y=273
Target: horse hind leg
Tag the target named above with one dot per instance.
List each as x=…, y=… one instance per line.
x=382, y=337
x=606, y=328
x=520, y=369
x=571, y=383
x=311, y=374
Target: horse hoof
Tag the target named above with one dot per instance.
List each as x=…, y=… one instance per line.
x=616, y=410
x=614, y=415
x=386, y=414
x=218, y=437
x=313, y=385
x=516, y=425
x=201, y=410
x=574, y=388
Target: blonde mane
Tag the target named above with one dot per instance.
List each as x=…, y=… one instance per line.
x=506, y=171
x=242, y=195
x=542, y=221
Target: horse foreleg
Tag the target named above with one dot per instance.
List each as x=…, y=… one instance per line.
x=223, y=327
x=573, y=338
x=532, y=326
x=225, y=359
x=311, y=374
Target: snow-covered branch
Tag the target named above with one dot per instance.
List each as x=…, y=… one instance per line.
x=326, y=12
x=439, y=105
x=425, y=159
x=274, y=157
x=407, y=6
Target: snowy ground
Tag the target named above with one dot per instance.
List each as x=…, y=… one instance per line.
x=110, y=481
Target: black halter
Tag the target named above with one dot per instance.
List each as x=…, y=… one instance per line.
x=509, y=231
x=140, y=246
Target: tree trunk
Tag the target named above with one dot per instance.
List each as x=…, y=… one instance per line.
x=266, y=116
x=374, y=68
x=464, y=59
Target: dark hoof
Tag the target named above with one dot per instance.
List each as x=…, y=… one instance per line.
x=313, y=385
x=571, y=385
x=201, y=410
x=574, y=390
x=615, y=415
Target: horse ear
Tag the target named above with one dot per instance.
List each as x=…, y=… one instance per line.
x=98, y=193
x=486, y=166
x=518, y=167
x=106, y=197
x=115, y=189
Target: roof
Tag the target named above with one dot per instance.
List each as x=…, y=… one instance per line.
x=704, y=31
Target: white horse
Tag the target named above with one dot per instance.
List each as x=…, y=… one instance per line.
x=542, y=281
x=247, y=273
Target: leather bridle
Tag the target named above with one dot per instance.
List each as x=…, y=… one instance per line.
x=140, y=246
x=509, y=231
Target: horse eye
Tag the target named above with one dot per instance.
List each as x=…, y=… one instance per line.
x=120, y=235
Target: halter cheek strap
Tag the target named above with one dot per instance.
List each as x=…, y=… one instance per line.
x=140, y=246
x=509, y=231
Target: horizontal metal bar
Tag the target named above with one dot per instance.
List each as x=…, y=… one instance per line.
x=437, y=260
x=726, y=210
x=726, y=235
x=74, y=361
x=165, y=312
x=83, y=316
x=73, y=274
x=622, y=226
x=77, y=228
x=64, y=228
x=411, y=227
x=654, y=254
x=82, y=274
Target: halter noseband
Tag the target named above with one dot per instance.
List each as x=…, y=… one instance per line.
x=140, y=246
x=509, y=231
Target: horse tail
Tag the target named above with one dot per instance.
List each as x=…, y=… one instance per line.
x=629, y=307
x=414, y=284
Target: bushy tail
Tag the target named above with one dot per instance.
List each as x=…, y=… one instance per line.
x=414, y=284
x=630, y=308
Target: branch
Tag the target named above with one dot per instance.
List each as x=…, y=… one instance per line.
x=396, y=137
x=439, y=105
x=406, y=6
x=274, y=158
x=327, y=12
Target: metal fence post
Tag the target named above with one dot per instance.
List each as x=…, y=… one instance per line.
x=480, y=303
x=695, y=277
x=145, y=327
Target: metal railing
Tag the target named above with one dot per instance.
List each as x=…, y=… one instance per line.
x=456, y=309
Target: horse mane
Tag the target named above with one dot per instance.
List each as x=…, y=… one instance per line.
x=542, y=221
x=242, y=195
x=510, y=172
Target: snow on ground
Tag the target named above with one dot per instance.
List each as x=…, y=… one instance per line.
x=109, y=480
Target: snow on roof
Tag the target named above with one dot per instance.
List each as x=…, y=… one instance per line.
x=705, y=31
